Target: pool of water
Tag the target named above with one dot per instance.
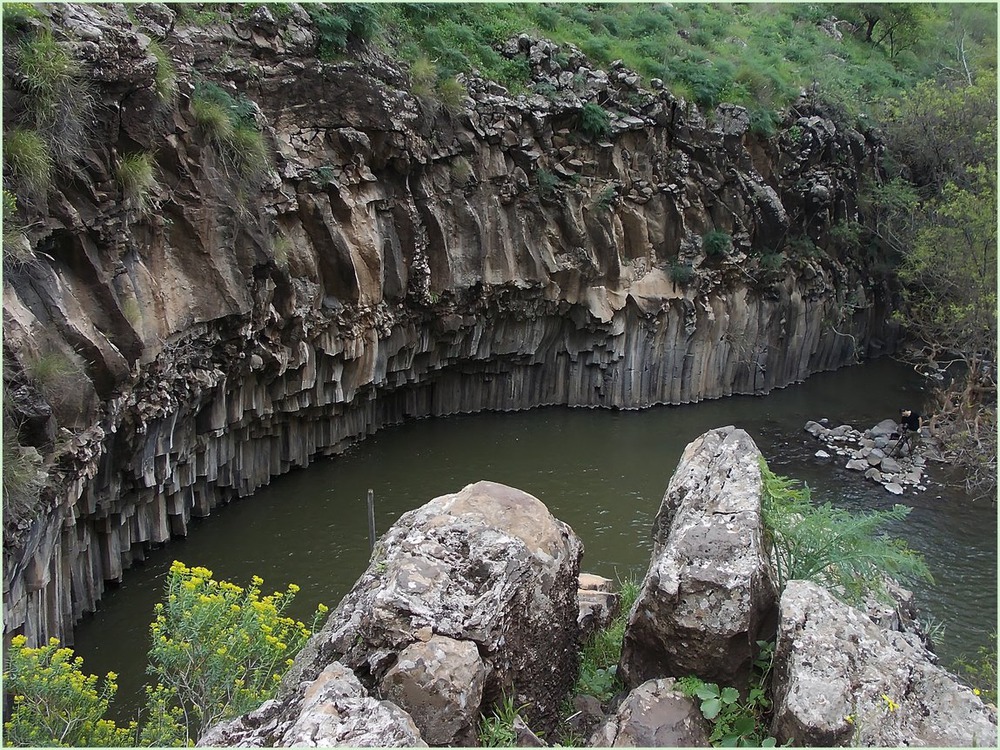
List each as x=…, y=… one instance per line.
x=603, y=472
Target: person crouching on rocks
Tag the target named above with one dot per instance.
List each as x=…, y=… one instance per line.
x=910, y=423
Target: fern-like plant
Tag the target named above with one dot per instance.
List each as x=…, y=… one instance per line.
x=843, y=551
x=717, y=243
x=594, y=121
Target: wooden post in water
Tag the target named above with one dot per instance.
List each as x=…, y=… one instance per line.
x=371, y=520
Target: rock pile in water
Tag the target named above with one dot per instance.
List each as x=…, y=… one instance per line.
x=878, y=452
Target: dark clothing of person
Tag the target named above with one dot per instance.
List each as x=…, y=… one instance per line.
x=911, y=422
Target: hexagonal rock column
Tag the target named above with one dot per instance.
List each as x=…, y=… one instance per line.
x=840, y=679
x=707, y=596
x=488, y=566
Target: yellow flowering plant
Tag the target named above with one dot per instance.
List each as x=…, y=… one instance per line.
x=54, y=704
x=219, y=650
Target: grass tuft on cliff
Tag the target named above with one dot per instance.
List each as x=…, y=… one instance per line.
x=228, y=123
x=165, y=80
x=47, y=73
x=29, y=162
x=136, y=175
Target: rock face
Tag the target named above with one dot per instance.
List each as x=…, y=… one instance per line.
x=839, y=679
x=392, y=261
x=654, y=715
x=333, y=710
x=707, y=595
x=486, y=573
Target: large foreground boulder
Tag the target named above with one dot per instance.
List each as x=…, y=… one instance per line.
x=473, y=597
x=707, y=596
x=840, y=679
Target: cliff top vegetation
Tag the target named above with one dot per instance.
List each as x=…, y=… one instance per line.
x=761, y=56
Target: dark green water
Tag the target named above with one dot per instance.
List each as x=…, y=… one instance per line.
x=603, y=472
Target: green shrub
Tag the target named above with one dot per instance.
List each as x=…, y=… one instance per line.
x=717, y=243
x=547, y=183
x=228, y=123
x=980, y=671
x=16, y=15
x=681, y=273
x=23, y=478
x=497, y=730
x=29, y=161
x=16, y=248
x=842, y=551
x=772, y=261
x=282, y=246
x=594, y=121
x=213, y=118
x=339, y=24
x=53, y=373
x=605, y=199
x=217, y=651
x=452, y=94
x=165, y=80
x=136, y=176
x=803, y=246
x=737, y=721
x=248, y=153
x=461, y=171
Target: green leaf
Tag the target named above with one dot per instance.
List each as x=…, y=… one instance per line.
x=708, y=690
x=768, y=742
x=730, y=695
x=710, y=708
x=745, y=725
x=730, y=740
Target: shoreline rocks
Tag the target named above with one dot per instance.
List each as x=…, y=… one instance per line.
x=878, y=453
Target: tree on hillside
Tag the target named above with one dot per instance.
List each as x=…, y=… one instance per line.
x=936, y=131
x=893, y=26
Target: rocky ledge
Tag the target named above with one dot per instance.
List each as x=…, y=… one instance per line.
x=474, y=596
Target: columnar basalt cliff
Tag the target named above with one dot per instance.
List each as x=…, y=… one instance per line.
x=397, y=260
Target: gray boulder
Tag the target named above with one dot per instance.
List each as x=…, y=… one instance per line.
x=708, y=592
x=489, y=566
x=654, y=715
x=331, y=710
x=440, y=684
x=840, y=679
